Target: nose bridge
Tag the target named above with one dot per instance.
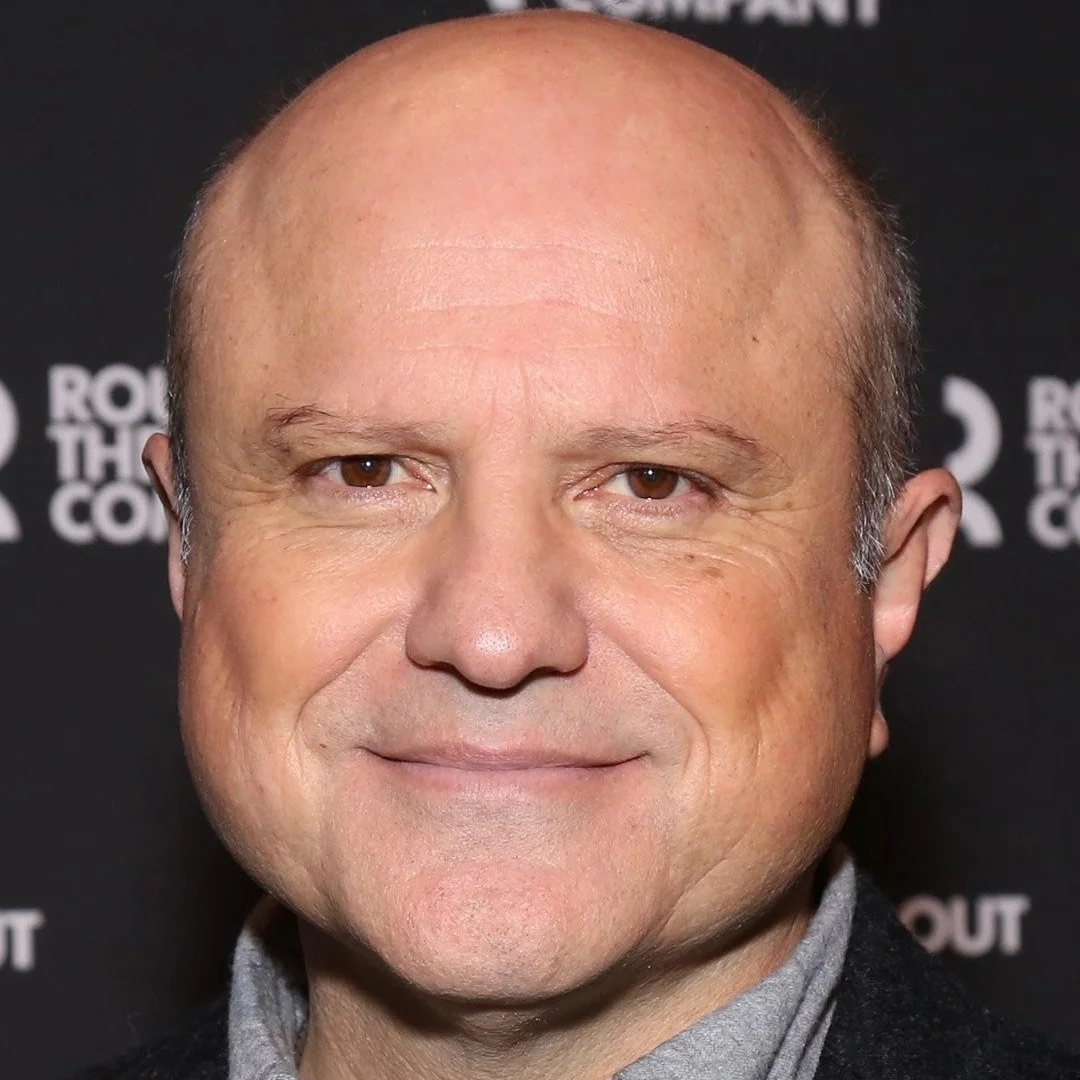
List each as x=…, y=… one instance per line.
x=499, y=602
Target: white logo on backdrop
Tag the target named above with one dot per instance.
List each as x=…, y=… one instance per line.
x=9, y=436
x=785, y=12
x=977, y=455
x=1054, y=440
x=99, y=422
x=17, y=930
x=989, y=924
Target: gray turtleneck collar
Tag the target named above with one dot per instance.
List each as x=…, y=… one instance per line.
x=775, y=1031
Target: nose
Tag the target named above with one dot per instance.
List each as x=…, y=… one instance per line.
x=498, y=604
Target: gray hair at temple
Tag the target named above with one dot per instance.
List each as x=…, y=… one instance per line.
x=879, y=355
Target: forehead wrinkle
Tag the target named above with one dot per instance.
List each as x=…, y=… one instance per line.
x=462, y=273
x=498, y=244
x=511, y=305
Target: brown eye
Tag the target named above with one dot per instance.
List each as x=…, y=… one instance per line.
x=366, y=471
x=649, y=482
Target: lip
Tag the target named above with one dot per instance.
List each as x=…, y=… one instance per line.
x=503, y=775
x=472, y=758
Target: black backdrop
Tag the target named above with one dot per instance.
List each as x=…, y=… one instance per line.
x=117, y=907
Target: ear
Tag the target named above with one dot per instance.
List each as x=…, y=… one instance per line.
x=157, y=460
x=917, y=538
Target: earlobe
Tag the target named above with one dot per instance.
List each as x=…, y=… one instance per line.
x=157, y=461
x=879, y=733
x=917, y=539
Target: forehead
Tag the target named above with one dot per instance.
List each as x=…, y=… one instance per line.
x=684, y=233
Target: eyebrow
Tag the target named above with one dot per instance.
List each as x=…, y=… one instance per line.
x=311, y=422
x=734, y=456
x=694, y=429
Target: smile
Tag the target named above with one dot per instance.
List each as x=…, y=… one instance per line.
x=480, y=771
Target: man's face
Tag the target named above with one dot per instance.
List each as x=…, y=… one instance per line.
x=520, y=632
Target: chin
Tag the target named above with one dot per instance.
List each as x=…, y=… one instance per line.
x=500, y=936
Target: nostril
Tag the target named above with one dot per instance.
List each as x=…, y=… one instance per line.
x=496, y=693
x=491, y=657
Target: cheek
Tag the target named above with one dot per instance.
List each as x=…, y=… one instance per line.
x=268, y=625
x=773, y=674
x=275, y=620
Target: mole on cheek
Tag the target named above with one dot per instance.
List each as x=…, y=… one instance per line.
x=700, y=564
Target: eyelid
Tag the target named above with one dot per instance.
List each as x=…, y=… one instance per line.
x=683, y=486
x=703, y=483
x=326, y=466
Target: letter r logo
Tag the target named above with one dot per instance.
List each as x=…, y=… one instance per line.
x=975, y=457
x=9, y=434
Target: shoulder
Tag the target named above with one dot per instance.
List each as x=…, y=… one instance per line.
x=199, y=1051
x=900, y=1015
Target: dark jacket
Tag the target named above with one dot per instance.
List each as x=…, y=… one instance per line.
x=899, y=1016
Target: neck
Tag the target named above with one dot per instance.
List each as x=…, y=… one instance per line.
x=366, y=1024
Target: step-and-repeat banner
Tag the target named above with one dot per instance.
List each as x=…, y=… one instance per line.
x=117, y=906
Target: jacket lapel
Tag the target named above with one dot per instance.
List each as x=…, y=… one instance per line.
x=899, y=1014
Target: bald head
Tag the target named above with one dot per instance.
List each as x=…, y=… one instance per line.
x=557, y=133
